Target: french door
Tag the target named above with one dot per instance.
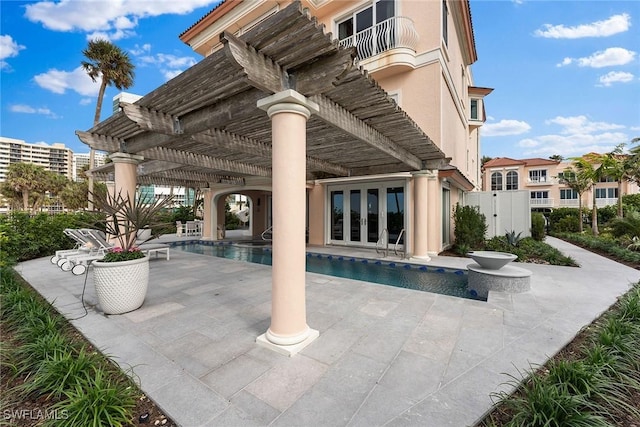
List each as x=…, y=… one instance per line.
x=358, y=213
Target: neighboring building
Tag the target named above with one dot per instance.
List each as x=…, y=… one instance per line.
x=540, y=178
x=181, y=196
x=124, y=97
x=420, y=53
x=81, y=161
x=55, y=157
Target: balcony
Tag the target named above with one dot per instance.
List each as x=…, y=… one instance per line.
x=541, y=203
x=601, y=202
x=397, y=32
x=569, y=203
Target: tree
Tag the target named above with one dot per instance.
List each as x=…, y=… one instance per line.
x=556, y=157
x=114, y=68
x=485, y=159
x=578, y=183
x=621, y=167
x=587, y=170
x=25, y=178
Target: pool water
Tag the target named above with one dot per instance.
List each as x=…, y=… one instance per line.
x=403, y=275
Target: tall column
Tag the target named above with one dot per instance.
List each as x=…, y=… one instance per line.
x=209, y=228
x=421, y=215
x=125, y=176
x=289, y=332
x=434, y=214
x=125, y=173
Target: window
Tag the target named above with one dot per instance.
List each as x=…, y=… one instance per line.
x=496, y=181
x=367, y=29
x=606, y=193
x=538, y=175
x=512, y=180
x=445, y=16
x=606, y=179
x=539, y=195
x=568, y=194
x=474, y=109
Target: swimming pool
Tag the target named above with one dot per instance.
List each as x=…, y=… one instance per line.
x=411, y=276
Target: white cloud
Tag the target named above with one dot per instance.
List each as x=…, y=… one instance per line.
x=577, y=135
x=614, y=25
x=115, y=19
x=58, y=82
x=603, y=58
x=581, y=125
x=8, y=49
x=615, y=77
x=505, y=127
x=169, y=65
x=86, y=101
x=27, y=109
x=572, y=145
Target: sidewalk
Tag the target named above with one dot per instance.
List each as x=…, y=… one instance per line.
x=385, y=355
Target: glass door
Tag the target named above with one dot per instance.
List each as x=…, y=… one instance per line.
x=360, y=212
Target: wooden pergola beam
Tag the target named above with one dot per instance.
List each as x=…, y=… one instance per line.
x=100, y=142
x=200, y=160
x=336, y=116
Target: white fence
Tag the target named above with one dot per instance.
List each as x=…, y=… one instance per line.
x=505, y=211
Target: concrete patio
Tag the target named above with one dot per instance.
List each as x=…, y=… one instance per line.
x=385, y=355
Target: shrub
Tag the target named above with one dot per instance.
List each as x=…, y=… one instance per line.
x=470, y=226
x=565, y=220
x=607, y=213
x=627, y=226
x=537, y=226
x=631, y=202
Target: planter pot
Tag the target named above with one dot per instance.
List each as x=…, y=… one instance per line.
x=121, y=286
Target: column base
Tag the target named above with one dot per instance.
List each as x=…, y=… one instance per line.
x=421, y=257
x=288, y=350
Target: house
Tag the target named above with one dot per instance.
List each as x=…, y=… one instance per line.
x=421, y=54
x=541, y=177
x=358, y=154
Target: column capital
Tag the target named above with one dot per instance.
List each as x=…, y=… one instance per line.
x=125, y=158
x=288, y=101
x=428, y=173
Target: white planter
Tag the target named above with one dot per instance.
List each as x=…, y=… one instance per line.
x=121, y=286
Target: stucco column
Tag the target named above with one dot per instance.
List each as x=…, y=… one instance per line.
x=289, y=332
x=125, y=177
x=208, y=229
x=434, y=214
x=421, y=215
x=125, y=173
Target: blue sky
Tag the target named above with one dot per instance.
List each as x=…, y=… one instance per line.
x=566, y=74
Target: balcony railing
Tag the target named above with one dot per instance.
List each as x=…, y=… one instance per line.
x=548, y=202
x=606, y=202
x=567, y=203
x=396, y=32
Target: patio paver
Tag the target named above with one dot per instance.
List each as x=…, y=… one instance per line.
x=385, y=356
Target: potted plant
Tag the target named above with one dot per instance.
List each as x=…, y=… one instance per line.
x=122, y=276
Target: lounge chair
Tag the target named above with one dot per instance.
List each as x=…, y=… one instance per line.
x=83, y=245
x=78, y=264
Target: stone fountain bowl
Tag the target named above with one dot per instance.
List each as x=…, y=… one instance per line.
x=492, y=260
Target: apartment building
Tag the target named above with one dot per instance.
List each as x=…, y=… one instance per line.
x=421, y=54
x=81, y=161
x=541, y=178
x=55, y=157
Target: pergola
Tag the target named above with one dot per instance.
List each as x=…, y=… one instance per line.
x=325, y=117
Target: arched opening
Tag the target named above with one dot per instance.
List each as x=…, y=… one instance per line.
x=241, y=213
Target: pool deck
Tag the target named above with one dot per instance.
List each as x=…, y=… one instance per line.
x=385, y=355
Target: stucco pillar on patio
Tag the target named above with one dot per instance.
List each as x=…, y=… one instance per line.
x=421, y=228
x=434, y=214
x=208, y=229
x=125, y=173
x=289, y=332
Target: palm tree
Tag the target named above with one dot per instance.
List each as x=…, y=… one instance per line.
x=621, y=167
x=25, y=179
x=578, y=183
x=587, y=170
x=114, y=68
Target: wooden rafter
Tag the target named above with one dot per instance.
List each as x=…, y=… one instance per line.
x=336, y=116
x=203, y=161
